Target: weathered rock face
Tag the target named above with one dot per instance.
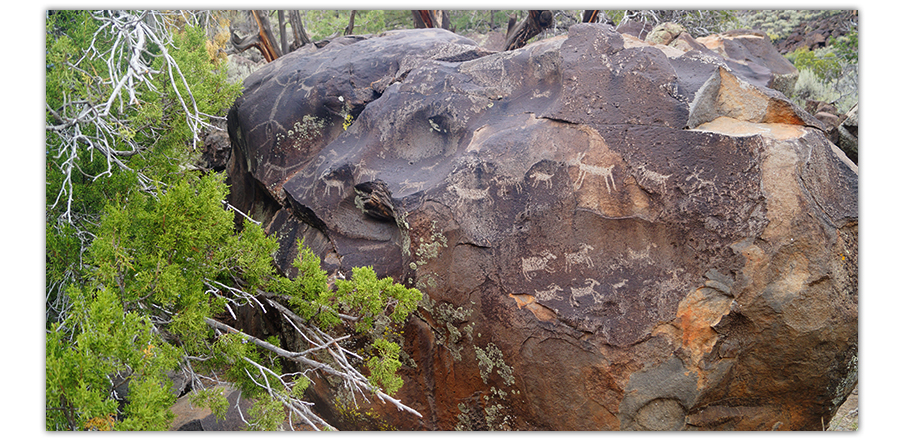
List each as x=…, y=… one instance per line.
x=754, y=49
x=611, y=235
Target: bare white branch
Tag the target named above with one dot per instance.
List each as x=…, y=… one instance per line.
x=351, y=377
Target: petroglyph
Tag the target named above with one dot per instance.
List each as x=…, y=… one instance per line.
x=332, y=183
x=505, y=183
x=473, y=194
x=587, y=169
x=407, y=186
x=541, y=177
x=537, y=263
x=364, y=173
x=700, y=183
x=643, y=254
x=650, y=175
x=580, y=257
x=587, y=290
x=548, y=294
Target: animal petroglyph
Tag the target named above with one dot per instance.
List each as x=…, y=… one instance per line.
x=536, y=263
x=364, y=173
x=473, y=194
x=407, y=186
x=333, y=183
x=586, y=290
x=587, y=169
x=548, y=294
x=541, y=177
x=700, y=182
x=580, y=257
x=650, y=175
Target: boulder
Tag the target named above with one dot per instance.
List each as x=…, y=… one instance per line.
x=664, y=33
x=216, y=148
x=609, y=235
x=848, y=133
x=754, y=49
x=841, y=129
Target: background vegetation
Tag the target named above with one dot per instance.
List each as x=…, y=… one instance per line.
x=143, y=261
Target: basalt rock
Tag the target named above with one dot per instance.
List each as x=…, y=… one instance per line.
x=610, y=235
x=754, y=50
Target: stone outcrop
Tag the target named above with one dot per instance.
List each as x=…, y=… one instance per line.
x=815, y=34
x=841, y=129
x=611, y=234
x=754, y=50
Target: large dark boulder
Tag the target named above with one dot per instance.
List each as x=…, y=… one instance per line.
x=610, y=235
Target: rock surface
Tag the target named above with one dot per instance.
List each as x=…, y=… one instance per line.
x=611, y=234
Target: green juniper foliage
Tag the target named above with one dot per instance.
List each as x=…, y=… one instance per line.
x=142, y=253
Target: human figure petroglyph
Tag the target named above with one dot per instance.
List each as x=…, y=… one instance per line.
x=536, y=263
x=548, y=294
x=587, y=290
x=586, y=169
x=580, y=257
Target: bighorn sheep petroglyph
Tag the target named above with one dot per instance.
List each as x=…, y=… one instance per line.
x=547, y=294
x=587, y=290
x=580, y=257
x=536, y=263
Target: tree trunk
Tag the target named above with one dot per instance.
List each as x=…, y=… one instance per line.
x=263, y=40
x=267, y=37
x=534, y=24
x=283, y=31
x=596, y=16
x=300, y=37
x=431, y=19
x=349, y=29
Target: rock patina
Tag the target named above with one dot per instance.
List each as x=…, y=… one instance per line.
x=611, y=234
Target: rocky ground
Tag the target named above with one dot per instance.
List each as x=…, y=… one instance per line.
x=847, y=417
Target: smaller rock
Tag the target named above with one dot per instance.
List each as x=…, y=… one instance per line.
x=637, y=29
x=189, y=417
x=374, y=199
x=848, y=132
x=828, y=118
x=215, y=151
x=665, y=33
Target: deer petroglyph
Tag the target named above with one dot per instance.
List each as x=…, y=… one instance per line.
x=586, y=169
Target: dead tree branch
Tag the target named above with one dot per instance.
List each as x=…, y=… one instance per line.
x=262, y=40
x=534, y=24
x=431, y=19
